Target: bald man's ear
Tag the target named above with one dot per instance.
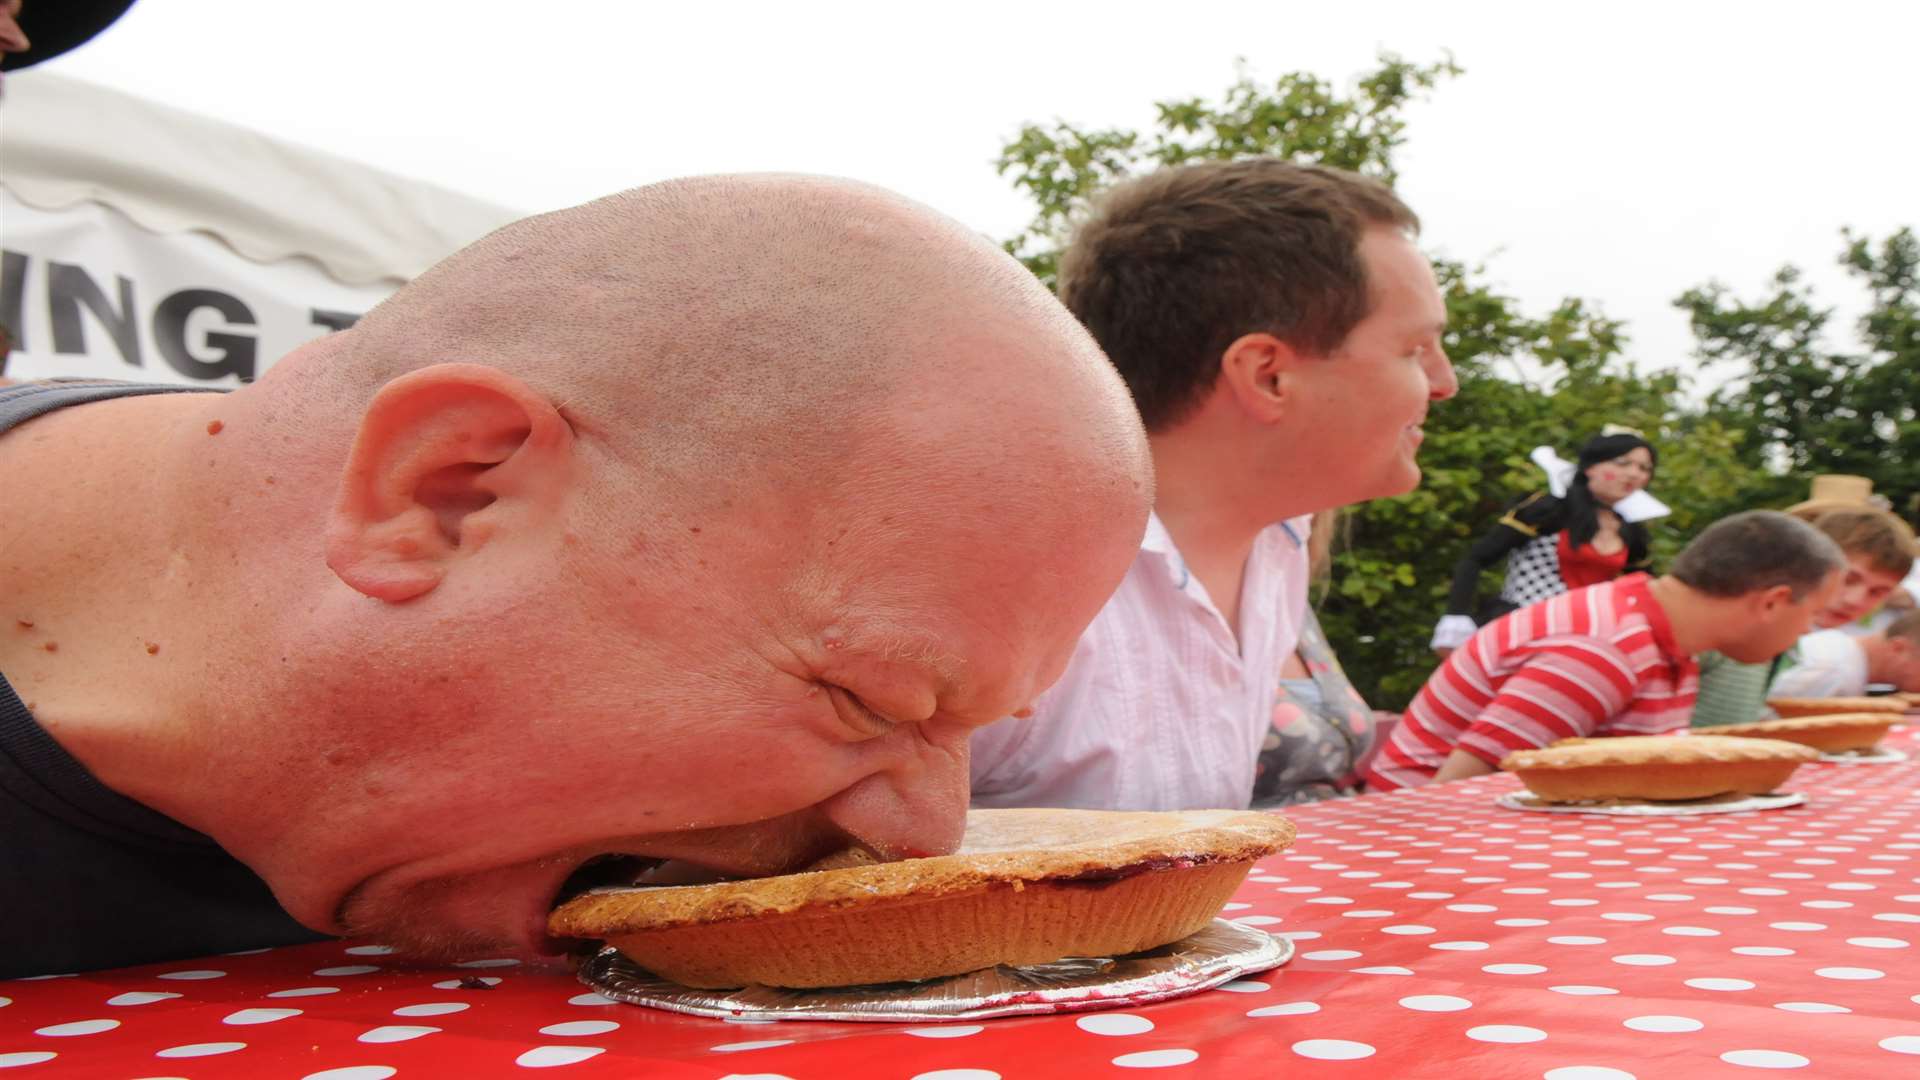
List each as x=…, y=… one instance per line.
x=1258, y=371
x=445, y=458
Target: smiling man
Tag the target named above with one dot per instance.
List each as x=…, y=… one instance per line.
x=1281, y=333
x=703, y=522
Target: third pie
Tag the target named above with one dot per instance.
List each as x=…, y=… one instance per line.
x=1823, y=706
x=1026, y=887
x=1834, y=734
x=1658, y=767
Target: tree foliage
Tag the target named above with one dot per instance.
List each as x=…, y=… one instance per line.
x=1794, y=407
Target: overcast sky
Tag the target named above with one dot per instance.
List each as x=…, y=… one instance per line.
x=1622, y=151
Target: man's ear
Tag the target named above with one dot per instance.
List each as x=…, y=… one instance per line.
x=1769, y=602
x=436, y=451
x=1261, y=372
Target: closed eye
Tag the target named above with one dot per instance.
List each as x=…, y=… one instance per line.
x=856, y=714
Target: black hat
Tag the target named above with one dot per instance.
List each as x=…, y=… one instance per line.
x=55, y=26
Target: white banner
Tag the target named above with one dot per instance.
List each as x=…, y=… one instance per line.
x=85, y=292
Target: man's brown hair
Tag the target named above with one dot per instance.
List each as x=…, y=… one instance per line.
x=1906, y=628
x=1170, y=268
x=1885, y=540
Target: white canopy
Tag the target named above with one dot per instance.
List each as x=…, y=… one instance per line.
x=141, y=242
x=64, y=142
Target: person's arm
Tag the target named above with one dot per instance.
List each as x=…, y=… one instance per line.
x=1461, y=765
x=1563, y=691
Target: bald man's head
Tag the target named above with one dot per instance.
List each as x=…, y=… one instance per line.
x=759, y=322
x=751, y=496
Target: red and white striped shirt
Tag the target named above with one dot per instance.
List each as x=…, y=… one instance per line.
x=1595, y=661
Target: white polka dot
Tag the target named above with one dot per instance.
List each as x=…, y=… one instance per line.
x=1663, y=1023
x=194, y=1050
x=499, y=962
x=1901, y=1044
x=1435, y=1003
x=1459, y=946
x=1330, y=954
x=1472, y=909
x=77, y=1027
x=27, y=1057
x=1812, y=1007
x=546, y=1057
x=370, y=950
x=1761, y=890
x=1513, y=969
x=1155, y=1059
x=1878, y=942
x=1690, y=931
x=1291, y=1008
x=1899, y=917
x=1384, y=969
x=1851, y=974
x=258, y=1016
x=391, y=1033
x=1114, y=1024
x=1257, y=920
x=1243, y=986
x=305, y=991
x=1799, y=927
x=1719, y=984
x=140, y=997
x=581, y=1027
x=347, y=969
x=945, y=1031
x=1586, y=1072
x=1762, y=950
x=432, y=1008
x=1764, y=1059
x=587, y=999
x=1644, y=960
x=1332, y=1049
x=1505, y=1033
x=1519, y=922
x=1576, y=939
x=1369, y=913
x=1625, y=916
x=192, y=976
x=6, y=1001
x=1583, y=991
x=354, y=1072
x=1723, y=909
x=1408, y=930
x=760, y=1044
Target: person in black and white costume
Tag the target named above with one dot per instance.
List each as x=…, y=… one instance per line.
x=1584, y=529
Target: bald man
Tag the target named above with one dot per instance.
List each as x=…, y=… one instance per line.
x=702, y=523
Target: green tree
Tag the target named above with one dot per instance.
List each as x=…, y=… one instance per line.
x=1813, y=408
x=1392, y=570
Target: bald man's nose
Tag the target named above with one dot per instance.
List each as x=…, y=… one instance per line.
x=908, y=812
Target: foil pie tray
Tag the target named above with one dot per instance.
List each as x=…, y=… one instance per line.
x=1718, y=804
x=1221, y=952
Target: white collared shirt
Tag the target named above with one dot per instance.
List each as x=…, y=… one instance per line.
x=1160, y=708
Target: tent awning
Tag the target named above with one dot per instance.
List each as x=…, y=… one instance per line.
x=64, y=141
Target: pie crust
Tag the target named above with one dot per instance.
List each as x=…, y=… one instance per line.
x=1026, y=887
x=1817, y=706
x=1833, y=734
x=1656, y=767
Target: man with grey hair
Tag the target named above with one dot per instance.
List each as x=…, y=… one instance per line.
x=704, y=523
x=1615, y=658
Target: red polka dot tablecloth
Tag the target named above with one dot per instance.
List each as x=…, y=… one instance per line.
x=1438, y=935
